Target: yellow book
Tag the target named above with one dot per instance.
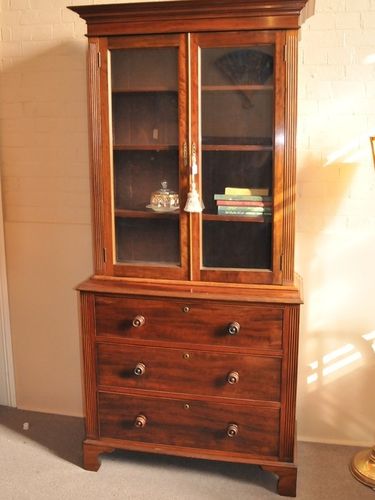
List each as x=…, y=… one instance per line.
x=247, y=191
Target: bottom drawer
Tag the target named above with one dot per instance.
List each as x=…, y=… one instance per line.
x=253, y=430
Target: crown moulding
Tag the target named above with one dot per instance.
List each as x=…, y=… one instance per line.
x=193, y=15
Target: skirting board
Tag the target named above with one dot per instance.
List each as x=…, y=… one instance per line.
x=7, y=384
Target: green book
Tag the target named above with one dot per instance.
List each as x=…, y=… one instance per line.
x=221, y=210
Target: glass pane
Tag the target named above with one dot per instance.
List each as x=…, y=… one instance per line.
x=237, y=117
x=145, y=119
x=145, y=155
x=238, y=65
x=237, y=108
x=142, y=69
x=147, y=240
x=231, y=245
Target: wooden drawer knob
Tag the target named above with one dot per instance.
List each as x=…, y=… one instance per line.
x=140, y=369
x=140, y=421
x=234, y=328
x=233, y=378
x=232, y=430
x=138, y=321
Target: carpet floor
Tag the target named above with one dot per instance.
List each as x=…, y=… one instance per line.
x=42, y=461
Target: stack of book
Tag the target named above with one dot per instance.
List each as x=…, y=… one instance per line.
x=245, y=202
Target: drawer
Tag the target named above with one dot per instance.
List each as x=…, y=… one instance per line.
x=189, y=371
x=197, y=424
x=198, y=322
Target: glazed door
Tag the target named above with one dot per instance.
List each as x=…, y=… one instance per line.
x=165, y=99
x=146, y=79
x=237, y=126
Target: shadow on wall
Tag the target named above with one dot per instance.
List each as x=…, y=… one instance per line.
x=336, y=231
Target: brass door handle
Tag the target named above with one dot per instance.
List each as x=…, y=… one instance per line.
x=138, y=321
x=140, y=369
x=233, y=378
x=140, y=421
x=232, y=430
x=185, y=155
x=233, y=328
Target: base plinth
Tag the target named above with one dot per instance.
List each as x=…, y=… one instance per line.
x=363, y=467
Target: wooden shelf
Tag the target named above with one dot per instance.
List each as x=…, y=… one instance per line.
x=144, y=214
x=145, y=90
x=150, y=214
x=235, y=147
x=228, y=88
x=145, y=147
x=205, y=147
x=236, y=218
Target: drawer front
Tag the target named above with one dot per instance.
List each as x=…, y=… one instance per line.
x=189, y=371
x=199, y=322
x=197, y=424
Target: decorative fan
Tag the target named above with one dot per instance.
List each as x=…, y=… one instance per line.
x=246, y=67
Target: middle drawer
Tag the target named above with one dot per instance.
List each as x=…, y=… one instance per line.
x=189, y=371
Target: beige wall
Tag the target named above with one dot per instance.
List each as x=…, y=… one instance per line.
x=44, y=166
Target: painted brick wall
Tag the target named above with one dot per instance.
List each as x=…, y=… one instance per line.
x=44, y=168
x=336, y=222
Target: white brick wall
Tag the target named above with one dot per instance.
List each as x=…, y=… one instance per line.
x=44, y=167
x=336, y=219
x=336, y=96
x=43, y=82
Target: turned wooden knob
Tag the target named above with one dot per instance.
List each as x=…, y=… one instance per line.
x=139, y=369
x=233, y=328
x=233, y=378
x=232, y=430
x=138, y=321
x=140, y=421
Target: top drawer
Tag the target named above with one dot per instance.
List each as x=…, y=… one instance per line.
x=187, y=321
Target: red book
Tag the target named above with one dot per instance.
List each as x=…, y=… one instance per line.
x=243, y=203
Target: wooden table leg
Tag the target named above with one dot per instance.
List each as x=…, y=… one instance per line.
x=91, y=453
x=287, y=484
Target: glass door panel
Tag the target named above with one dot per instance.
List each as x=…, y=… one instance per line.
x=237, y=229
x=237, y=130
x=145, y=155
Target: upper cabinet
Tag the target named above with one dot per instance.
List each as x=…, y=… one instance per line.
x=193, y=140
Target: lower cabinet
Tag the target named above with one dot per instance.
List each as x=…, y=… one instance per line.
x=199, y=377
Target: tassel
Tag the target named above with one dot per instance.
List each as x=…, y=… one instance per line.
x=193, y=203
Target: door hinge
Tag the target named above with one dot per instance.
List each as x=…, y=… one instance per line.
x=104, y=255
x=99, y=60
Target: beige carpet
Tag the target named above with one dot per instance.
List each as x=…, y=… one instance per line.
x=44, y=462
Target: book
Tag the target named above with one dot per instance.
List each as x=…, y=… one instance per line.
x=244, y=203
x=242, y=197
x=243, y=210
x=250, y=217
x=247, y=191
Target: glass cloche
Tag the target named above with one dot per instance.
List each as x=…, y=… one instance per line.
x=164, y=199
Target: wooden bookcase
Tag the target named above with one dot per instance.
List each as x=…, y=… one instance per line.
x=190, y=321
